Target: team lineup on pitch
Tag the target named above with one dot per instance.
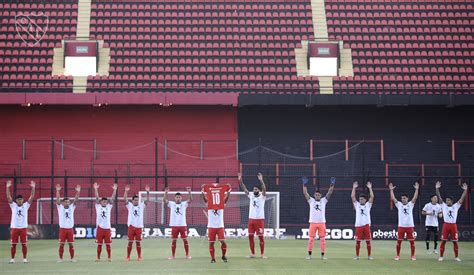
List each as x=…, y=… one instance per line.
x=215, y=196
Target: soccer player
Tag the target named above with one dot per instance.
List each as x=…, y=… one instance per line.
x=406, y=224
x=66, y=208
x=135, y=221
x=317, y=217
x=256, y=214
x=432, y=211
x=19, y=221
x=212, y=195
x=178, y=220
x=362, y=222
x=103, y=209
x=450, y=214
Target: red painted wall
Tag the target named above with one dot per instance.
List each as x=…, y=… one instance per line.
x=124, y=135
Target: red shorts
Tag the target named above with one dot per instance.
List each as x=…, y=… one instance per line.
x=256, y=226
x=449, y=230
x=406, y=230
x=179, y=230
x=212, y=232
x=103, y=236
x=134, y=233
x=66, y=235
x=363, y=233
x=17, y=233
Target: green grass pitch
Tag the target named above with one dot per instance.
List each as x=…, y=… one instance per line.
x=285, y=257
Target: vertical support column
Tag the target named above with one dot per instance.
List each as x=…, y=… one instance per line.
x=277, y=173
x=95, y=149
x=236, y=149
x=423, y=174
x=202, y=150
x=382, y=150
x=23, y=149
x=52, y=184
x=314, y=174
x=62, y=149
x=166, y=149
x=311, y=149
x=459, y=174
x=453, y=150
x=347, y=149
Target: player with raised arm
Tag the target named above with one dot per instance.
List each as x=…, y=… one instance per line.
x=362, y=222
x=178, y=220
x=135, y=221
x=212, y=195
x=317, y=216
x=66, y=208
x=256, y=222
x=103, y=210
x=450, y=214
x=406, y=225
x=19, y=221
x=432, y=210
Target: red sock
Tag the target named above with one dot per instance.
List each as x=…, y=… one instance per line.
x=223, y=248
x=212, y=250
x=129, y=249
x=24, y=250
x=456, y=249
x=13, y=250
x=173, y=248
x=399, y=246
x=99, y=250
x=186, y=246
x=262, y=244
x=357, y=248
x=139, y=249
x=252, y=244
x=412, y=248
x=369, y=248
x=109, y=251
x=441, y=248
x=61, y=251
x=71, y=250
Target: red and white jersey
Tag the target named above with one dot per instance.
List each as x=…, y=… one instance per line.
x=215, y=218
x=450, y=213
x=317, y=210
x=178, y=213
x=405, y=214
x=434, y=210
x=135, y=214
x=362, y=213
x=215, y=194
x=103, y=215
x=66, y=216
x=19, y=215
x=257, y=206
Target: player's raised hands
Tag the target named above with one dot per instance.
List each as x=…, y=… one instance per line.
x=355, y=184
x=115, y=186
x=305, y=180
x=58, y=187
x=78, y=188
x=147, y=188
x=167, y=189
x=96, y=185
x=260, y=176
x=188, y=189
x=9, y=183
x=391, y=186
x=32, y=184
x=416, y=186
x=464, y=186
x=438, y=184
x=127, y=188
x=369, y=185
x=239, y=176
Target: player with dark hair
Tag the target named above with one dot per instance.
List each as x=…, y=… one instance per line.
x=19, y=221
x=212, y=195
x=362, y=222
x=450, y=214
x=66, y=208
x=317, y=217
x=135, y=221
x=432, y=210
x=103, y=209
x=406, y=225
x=178, y=220
x=256, y=223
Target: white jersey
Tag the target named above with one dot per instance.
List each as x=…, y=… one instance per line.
x=66, y=216
x=135, y=214
x=178, y=213
x=19, y=215
x=257, y=206
x=317, y=210
x=434, y=210
x=450, y=213
x=362, y=213
x=103, y=215
x=405, y=214
x=215, y=218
